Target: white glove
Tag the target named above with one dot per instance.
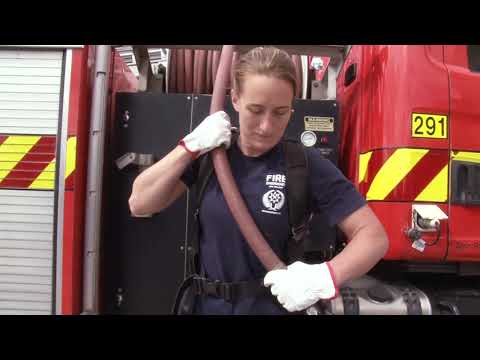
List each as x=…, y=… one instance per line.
x=302, y=285
x=213, y=131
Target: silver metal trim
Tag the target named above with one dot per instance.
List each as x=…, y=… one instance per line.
x=93, y=201
x=61, y=165
x=305, y=66
x=187, y=251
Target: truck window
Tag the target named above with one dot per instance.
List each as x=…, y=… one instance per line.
x=474, y=57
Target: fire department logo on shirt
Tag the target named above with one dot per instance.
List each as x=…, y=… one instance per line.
x=273, y=200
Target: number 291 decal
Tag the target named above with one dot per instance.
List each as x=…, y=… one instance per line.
x=429, y=126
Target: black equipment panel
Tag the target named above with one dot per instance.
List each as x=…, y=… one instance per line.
x=144, y=258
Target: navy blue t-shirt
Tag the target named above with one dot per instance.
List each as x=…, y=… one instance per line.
x=225, y=254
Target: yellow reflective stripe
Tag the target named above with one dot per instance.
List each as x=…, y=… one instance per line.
x=364, y=160
x=398, y=165
x=437, y=189
x=71, y=155
x=46, y=179
x=12, y=150
x=466, y=156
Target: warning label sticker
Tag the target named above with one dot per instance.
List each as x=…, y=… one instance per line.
x=316, y=123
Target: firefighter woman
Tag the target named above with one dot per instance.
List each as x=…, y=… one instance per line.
x=264, y=84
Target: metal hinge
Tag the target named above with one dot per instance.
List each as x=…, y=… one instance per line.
x=142, y=160
x=119, y=297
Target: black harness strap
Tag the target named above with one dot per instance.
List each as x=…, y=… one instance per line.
x=230, y=292
x=297, y=197
x=205, y=172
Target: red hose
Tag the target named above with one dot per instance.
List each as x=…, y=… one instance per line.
x=215, y=62
x=188, y=71
x=209, y=79
x=180, y=71
x=196, y=71
x=297, y=61
x=235, y=202
x=172, y=72
x=202, y=79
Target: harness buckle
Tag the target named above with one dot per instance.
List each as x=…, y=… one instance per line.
x=299, y=232
x=226, y=291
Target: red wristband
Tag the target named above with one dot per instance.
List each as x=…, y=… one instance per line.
x=193, y=154
x=332, y=275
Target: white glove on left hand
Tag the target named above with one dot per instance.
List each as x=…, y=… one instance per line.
x=302, y=285
x=215, y=130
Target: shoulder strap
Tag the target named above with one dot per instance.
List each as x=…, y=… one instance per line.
x=297, y=196
x=205, y=171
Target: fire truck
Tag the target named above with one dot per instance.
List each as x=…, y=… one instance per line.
x=77, y=125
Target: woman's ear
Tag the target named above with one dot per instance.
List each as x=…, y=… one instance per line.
x=235, y=100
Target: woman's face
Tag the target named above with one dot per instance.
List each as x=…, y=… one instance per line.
x=264, y=107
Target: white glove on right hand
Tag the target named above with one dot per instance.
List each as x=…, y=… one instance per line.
x=302, y=285
x=213, y=131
